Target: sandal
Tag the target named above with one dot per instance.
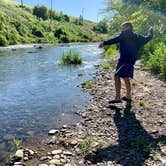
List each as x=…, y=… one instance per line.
x=126, y=99
x=115, y=101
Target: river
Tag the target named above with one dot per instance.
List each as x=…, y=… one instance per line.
x=38, y=94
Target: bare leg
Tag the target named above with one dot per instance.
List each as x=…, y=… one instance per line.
x=128, y=87
x=117, y=87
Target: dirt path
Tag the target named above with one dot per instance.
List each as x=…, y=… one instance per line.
x=127, y=134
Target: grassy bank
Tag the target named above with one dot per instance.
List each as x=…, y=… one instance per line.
x=21, y=24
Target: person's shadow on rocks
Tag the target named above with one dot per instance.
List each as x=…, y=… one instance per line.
x=135, y=143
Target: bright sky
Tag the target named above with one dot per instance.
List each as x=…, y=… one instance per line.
x=91, y=9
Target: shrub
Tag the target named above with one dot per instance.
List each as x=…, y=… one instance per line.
x=71, y=57
x=157, y=60
x=37, y=32
x=13, y=36
x=58, y=32
x=41, y=12
x=64, y=39
x=3, y=41
x=110, y=52
x=101, y=27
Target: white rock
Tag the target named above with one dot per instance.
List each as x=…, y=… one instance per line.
x=20, y=153
x=31, y=152
x=53, y=132
x=17, y=163
x=163, y=160
x=58, y=151
x=44, y=158
x=56, y=157
x=63, y=160
x=67, y=165
x=74, y=142
x=42, y=165
x=55, y=161
x=65, y=126
x=25, y=158
x=67, y=153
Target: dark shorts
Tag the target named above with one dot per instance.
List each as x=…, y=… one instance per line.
x=124, y=70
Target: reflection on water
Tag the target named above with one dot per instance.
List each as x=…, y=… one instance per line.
x=37, y=94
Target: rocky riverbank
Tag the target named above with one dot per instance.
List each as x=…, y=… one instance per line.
x=125, y=134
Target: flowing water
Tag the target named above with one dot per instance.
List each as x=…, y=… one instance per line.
x=38, y=94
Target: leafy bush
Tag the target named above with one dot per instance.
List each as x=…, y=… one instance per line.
x=37, y=32
x=3, y=41
x=157, y=60
x=13, y=36
x=64, y=39
x=71, y=57
x=101, y=27
x=61, y=35
x=110, y=52
x=41, y=12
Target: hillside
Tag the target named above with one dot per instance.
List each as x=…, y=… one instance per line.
x=18, y=25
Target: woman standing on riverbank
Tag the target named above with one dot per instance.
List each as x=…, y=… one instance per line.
x=130, y=44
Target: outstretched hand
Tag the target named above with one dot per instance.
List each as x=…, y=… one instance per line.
x=101, y=45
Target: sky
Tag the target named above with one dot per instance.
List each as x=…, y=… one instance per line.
x=90, y=9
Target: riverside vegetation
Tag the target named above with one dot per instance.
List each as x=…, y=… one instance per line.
x=71, y=57
x=142, y=14
x=24, y=24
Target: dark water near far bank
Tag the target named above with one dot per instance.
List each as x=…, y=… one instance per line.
x=37, y=94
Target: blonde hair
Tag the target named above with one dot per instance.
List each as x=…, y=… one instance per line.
x=128, y=25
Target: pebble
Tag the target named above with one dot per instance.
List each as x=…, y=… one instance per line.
x=65, y=126
x=44, y=158
x=19, y=154
x=54, y=152
x=55, y=161
x=56, y=157
x=53, y=132
x=68, y=153
x=163, y=160
x=17, y=163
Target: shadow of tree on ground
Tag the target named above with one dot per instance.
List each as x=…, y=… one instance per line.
x=135, y=143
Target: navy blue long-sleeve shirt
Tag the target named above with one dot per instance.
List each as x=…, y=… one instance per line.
x=130, y=44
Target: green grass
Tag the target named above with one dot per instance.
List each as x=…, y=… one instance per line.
x=71, y=57
x=15, y=145
x=19, y=25
x=86, y=144
x=142, y=103
x=156, y=158
x=110, y=52
x=88, y=83
x=141, y=144
x=133, y=82
x=105, y=65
